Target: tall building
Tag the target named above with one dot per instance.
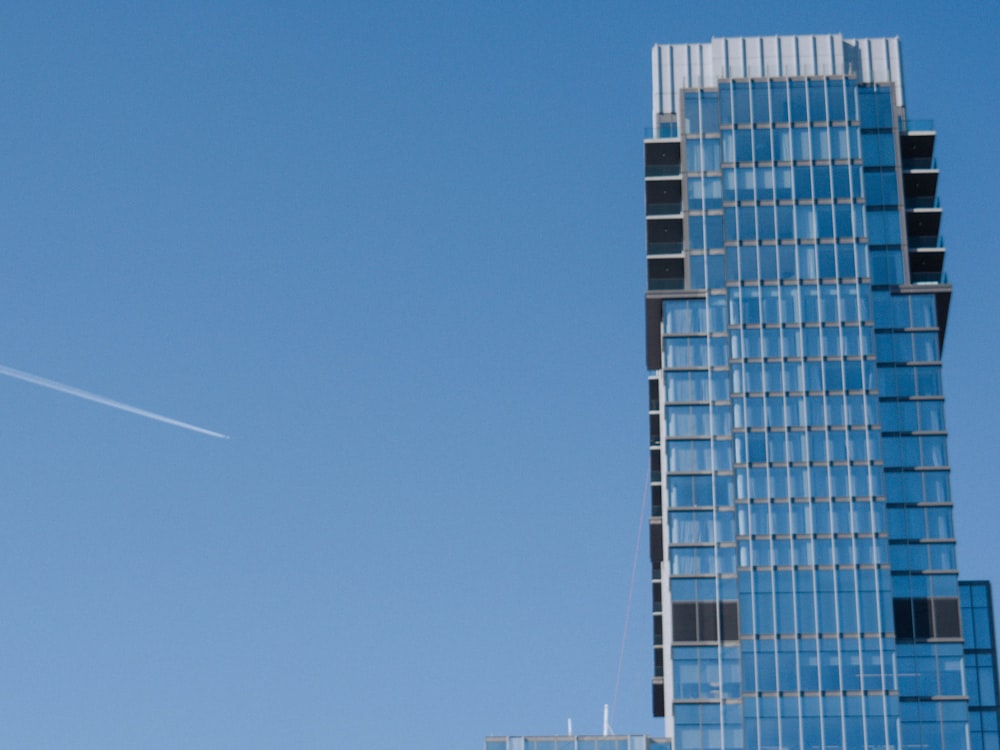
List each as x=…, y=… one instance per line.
x=805, y=584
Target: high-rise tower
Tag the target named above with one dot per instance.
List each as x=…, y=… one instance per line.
x=806, y=590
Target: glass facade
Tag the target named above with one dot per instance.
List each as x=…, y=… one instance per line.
x=805, y=583
x=980, y=664
x=604, y=742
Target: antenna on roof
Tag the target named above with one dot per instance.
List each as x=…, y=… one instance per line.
x=607, y=724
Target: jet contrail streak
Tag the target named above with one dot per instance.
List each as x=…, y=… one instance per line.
x=63, y=388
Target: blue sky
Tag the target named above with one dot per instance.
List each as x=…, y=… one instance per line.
x=396, y=252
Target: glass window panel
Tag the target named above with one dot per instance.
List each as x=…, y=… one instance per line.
x=824, y=217
x=779, y=101
x=693, y=156
x=725, y=104
x=744, y=145
x=713, y=231
x=730, y=223
x=820, y=143
x=745, y=183
x=890, y=190
x=808, y=267
x=782, y=144
x=821, y=181
x=887, y=149
x=765, y=184
x=783, y=184
x=728, y=146
x=711, y=155
x=741, y=103
x=839, y=148
x=931, y=415
x=800, y=144
x=797, y=100
x=928, y=381
x=709, y=112
x=761, y=110
x=827, y=260
x=766, y=230
x=841, y=181
x=922, y=306
x=803, y=182
x=805, y=221
x=762, y=145
x=873, y=188
x=817, y=100
x=882, y=117
x=844, y=214
x=691, y=121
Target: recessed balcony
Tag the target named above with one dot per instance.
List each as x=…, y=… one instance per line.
x=919, y=183
x=927, y=265
x=922, y=222
x=665, y=236
x=917, y=144
x=663, y=197
x=663, y=158
x=665, y=273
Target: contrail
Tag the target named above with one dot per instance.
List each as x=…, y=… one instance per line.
x=63, y=388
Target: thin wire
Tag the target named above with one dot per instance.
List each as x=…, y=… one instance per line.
x=631, y=588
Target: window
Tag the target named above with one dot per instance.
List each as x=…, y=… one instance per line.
x=705, y=621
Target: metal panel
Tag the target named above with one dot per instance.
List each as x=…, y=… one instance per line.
x=680, y=66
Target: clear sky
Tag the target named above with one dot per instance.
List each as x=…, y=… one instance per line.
x=395, y=250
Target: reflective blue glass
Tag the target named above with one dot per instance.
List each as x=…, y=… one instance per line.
x=818, y=407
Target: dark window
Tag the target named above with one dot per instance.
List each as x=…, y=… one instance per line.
x=708, y=621
x=922, y=618
x=658, y=701
x=704, y=621
x=656, y=543
x=730, y=621
x=903, y=614
x=947, y=621
x=685, y=621
x=657, y=500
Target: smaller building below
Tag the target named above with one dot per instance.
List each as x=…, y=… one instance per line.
x=581, y=742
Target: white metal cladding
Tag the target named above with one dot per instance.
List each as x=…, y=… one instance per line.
x=682, y=66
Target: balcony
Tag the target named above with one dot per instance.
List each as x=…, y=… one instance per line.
x=919, y=184
x=919, y=162
x=926, y=265
x=922, y=201
x=665, y=273
x=923, y=224
x=926, y=242
x=917, y=144
x=665, y=236
x=663, y=197
x=663, y=159
x=916, y=126
x=928, y=277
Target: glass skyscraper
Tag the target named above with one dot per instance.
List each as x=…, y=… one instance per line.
x=805, y=585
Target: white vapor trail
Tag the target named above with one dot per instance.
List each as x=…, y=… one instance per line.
x=63, y=388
